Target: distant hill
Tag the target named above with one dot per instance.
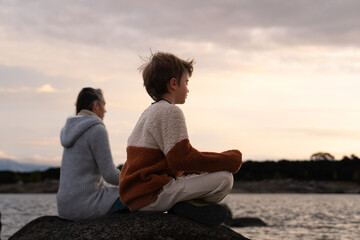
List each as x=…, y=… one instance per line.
x=11, y=165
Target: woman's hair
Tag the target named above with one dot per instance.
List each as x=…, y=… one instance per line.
x=87, y=97
x=158, y=71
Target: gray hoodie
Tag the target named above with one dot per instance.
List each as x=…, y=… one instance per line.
x=86, y=163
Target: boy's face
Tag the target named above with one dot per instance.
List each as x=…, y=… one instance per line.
x=182, y=89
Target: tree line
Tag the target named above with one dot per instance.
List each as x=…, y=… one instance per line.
x=29, y=177
x=322, y=167
x=347, y=169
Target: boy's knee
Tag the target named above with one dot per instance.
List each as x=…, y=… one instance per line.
x=227, y=180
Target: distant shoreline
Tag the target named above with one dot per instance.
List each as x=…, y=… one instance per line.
x=263, y=186
x=295, y=186
x=39, y=187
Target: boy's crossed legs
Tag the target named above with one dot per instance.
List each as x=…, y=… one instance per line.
x=195, y=196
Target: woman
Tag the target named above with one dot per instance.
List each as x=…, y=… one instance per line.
x=87, y=162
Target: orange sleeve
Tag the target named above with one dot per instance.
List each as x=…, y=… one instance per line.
x=183, y=157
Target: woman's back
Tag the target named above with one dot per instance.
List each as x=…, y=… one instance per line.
x=86, y=163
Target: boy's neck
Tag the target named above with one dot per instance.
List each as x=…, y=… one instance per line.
x=169, y=98
x=163, y=99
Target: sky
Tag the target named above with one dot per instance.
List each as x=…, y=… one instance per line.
x=276, y=79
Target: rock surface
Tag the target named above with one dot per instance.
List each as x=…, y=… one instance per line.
x=243, y=221
x=124, y=226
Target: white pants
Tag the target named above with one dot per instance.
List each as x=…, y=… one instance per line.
x=205, y=188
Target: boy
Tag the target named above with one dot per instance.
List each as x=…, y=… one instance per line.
x=163, y=172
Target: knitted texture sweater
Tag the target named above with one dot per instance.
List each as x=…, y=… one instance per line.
x=159, y=150
x=86, y=162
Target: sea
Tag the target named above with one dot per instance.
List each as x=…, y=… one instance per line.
x=288, y=216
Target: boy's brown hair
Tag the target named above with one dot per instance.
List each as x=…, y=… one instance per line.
x=158, y=71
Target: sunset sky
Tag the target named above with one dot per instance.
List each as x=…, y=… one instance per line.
x=276, y=79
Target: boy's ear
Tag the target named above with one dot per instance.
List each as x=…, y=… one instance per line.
x=173, y=83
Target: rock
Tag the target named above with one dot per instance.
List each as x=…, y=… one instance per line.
x=138, y=225
x=0, y=225
x=246, y=222
x=243, y=221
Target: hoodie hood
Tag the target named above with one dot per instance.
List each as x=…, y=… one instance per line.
x=75, y=127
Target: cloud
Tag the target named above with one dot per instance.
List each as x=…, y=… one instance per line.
x=42, y=142
x=14, y=90
x=90, y=40
x=47, y=88
x=100, y=41
x=231, y=22
x=4, y=155
x=259, y=65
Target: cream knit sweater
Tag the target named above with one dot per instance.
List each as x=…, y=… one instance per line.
x=159, y=150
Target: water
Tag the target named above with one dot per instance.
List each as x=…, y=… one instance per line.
x=19, y=209
x=299, y=216
x=289, y=216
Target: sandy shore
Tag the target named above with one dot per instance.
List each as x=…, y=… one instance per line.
x=264, y=186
